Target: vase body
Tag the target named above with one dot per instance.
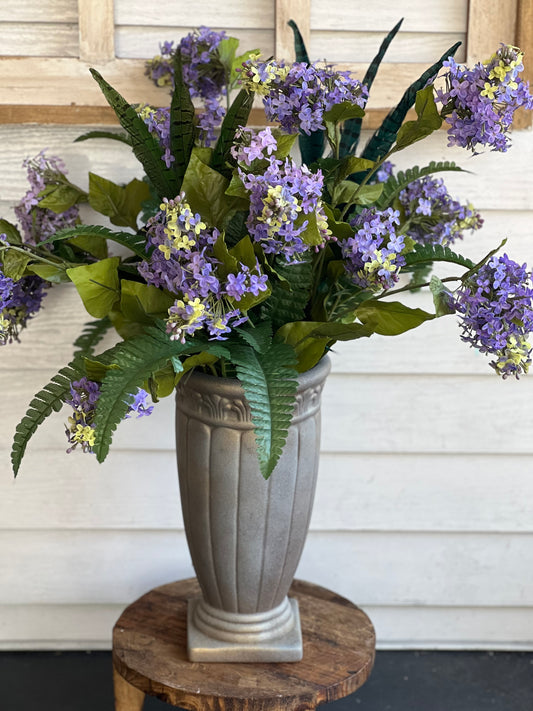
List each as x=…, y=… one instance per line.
x=245, y=534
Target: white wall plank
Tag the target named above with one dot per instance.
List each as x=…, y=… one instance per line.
x=51, y=39
x=212, y=13
x=444, y=17
x=39, y=11
x=437, y=569
x=356, y=492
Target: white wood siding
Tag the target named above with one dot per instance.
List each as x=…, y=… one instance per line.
x=424, y=508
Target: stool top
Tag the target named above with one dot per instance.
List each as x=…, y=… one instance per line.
x=150, y=652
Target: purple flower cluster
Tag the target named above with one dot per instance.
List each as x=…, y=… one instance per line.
x=19, y=301
x=84, y=395
x=496, y=311
x=203, y=72
x=280, y=198
x=183, y=262
x=38, y=223
x=298, y=95
x=479, y=103
x=432, y=216
x=373, y=256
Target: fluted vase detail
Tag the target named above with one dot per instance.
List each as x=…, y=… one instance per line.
x=245, y=534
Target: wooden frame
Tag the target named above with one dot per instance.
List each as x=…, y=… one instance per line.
x=28, y=83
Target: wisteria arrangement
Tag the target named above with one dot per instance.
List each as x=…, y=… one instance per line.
x=245, y=262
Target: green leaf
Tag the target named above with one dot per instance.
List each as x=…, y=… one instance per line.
x=229, y=263
x=343, y=111
x=299, y=44
x=91, y=335
x=383, y=139
x=205, y=190
x=236, y=188
x=423, y=254
x=145, y=146
x=60, y=197
x=120, y=203
x=136, y=243
x=49, y=399
x=14, y=263
x=227, y=49
x=352, y=128
x=284, y=306
x=11, y=232
x=441, y=297
x=97, y=285
x=428, y=120
x=311, y=235
x=353, y=164
x=352, y=193
x=390, y=318
x=93, y=245
x=143, y=302
x=182, y=123
x=138, y=359
x=238, y=62
x=285, y=143
x=269, y=383
x=258, y=337
x=396, y=183
x=237, y=115
x=55, y=275
x=112, y=135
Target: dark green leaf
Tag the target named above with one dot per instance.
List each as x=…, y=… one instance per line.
x=145, y=146
x=120, y=203
x=383, y=139
x=205, y=191
x=423, y=254
x=396, y=183
x=237, y=115
x=112, y=135
x=299, y=44
x=284, y=306
x=182, y=123
x=136, y=243
x=352, y=128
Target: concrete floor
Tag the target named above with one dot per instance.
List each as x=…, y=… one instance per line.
x=401, y=681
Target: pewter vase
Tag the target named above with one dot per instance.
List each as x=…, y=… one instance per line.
x=245, y=534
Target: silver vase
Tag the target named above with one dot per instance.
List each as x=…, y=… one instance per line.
x=245, y=534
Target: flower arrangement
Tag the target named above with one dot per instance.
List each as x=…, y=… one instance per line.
x=241, y=260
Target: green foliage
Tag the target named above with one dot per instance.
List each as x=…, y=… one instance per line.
x=134, y=242
x=206, y=191
x=236, y=116
x=269, y=382
x=137, y=359
x=11, y=232
x=60, y=196
x=423, y=254
x=396, y=183
x=351, y=130
x=14, y=263
x=290, y=295
x=145, y=146
x=143, y=303
x=51, y=397
x=182, y=124
x=97, y=285
x=112, y=135
x=428, y=120
x=385, y=136
x=120, y=203
x=390, y=318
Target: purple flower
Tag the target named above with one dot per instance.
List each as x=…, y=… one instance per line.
x=373, y=255
x=496, y=314
x=39, y=223
x=479, y=103
x=432, y=216
x=84, y=395
x=253, y=145
x=19, y=301
x=298, y=95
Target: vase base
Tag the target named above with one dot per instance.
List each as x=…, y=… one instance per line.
x=231, y=637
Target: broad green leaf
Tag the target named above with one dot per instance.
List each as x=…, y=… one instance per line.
x=120, y=203
x=227, y=48
x=341, y=230
x=353, y=164
x=442, y=297
x=97, y=285
x=428, y=120
x=55, y=275
x=205, y=190
x=285, y=142
x=349, y=192
x=11, y=232
x=390, y=318
x=269, y=383
x=230, y=261
x=93, y=245
x=59, y=198
x=143, y=302
x=14, y=263
x=96, y=370
x=311, y=235
x=162, y=383
x=236, y=188
x=342, y=112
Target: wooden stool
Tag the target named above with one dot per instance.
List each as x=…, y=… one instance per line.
x=150, y=657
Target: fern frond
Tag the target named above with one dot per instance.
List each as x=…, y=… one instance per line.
x=424, y=254
x=49, y=399
x=396, y=183
x=269, y=381
x=90, y=337
x=135, y=242
x=283, y=305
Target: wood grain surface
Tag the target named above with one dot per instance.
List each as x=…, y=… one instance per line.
x=149, y=652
